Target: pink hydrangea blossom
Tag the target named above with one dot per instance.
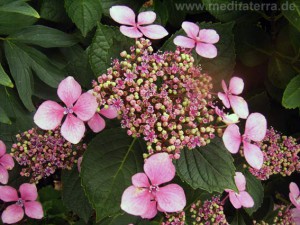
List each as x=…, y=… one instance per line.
x=125, y=16
x=295, y=195
x=255, y=130
x=6, y=163
x=27, y=200
x=147, y=195
x=242, y=198
x=97, y=123
x=230, y=98
x=202, y=39
x=50, y=114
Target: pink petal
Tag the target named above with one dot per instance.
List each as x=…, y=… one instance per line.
x=34, y=210
x=136, y=201
x=184, y=42
x=28, y=192
x=245, y=199
x=111, y=112
x=131, y=32
x=236, y=85
x=2, y=148
x=232, y=138
x=256, y=127
x=171, y=198
x=69, y=91
x=151, y=212
x=154, y=31
x=3, y=175
x=96, y=123
x=122, y=15
x=49, y=115
x=206, y=50
x=234, y=200
x=140, y=180
x=224, y=98
x=7, y=161
x=224, y=86
x=86, y=106
x=146, y=17
x=239, y=106
x=79, y=161
x=294, y=189
x=8, y=194
x=73, y=129
x=12, y=214
x=296, y=215
x=208, y=36
x=159, y=168
x=253, y=155
x=240, y=181
x=230, y=119
x=191, y=29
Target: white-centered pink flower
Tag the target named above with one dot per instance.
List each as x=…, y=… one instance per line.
x=242, y=198
x=148, y=194
x=27, y=200
x=230, y=98
x=255, y=130
x=130, y=28
x=295, y=195
x=50, y=114
x=6, y=163
x=97, y=123
x=202, y=39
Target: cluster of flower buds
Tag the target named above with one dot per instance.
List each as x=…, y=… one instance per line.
x=41, y=153
x=174, y=218
x=162, y=97
x=280, y=155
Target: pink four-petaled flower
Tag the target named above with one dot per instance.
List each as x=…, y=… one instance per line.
x=6, y=163
x=295, y=195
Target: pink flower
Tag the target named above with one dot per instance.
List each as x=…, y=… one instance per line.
x=295, y=195
x=227, y=118
x=241, y=199
x=50, y=114
x=146, y=195
x=125, y=16
x=97, y=123
x=202, y=39
x=229, y=98
x=255, y=130
x=6, y=163
x=14, y=213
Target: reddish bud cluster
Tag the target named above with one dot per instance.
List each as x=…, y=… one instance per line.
x=174, y=219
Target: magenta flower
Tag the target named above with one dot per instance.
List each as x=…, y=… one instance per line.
x=202, y=39
x=295, y=195
x=241, y=199
x=230, y=98
x=14, y=213
x=97, y=123
x=125, y=16
x=255, y=130
x=147, y=195
x=6, y=163
x=50, y=114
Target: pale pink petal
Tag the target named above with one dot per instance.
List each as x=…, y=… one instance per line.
x=73, y=129
x=49, y=115
x=184, y=42
x=28, y=192
x=171, y=198
x=240, y=181
x=122, y=15
x=296, y=215
x=159, y=168
x=206, y=50
x=3, y=175
x=131, y=32
x=12, y=214
x=151, y=212
x=154, y=31
x=8, y=194
x=34, y=210
x=230, y=119
x=86, y=106
x=232, y=138
x=79, y=161
x=224, y=86
x=146, y=17
x=208, y=36
x=224, y=98
x=140, y=180
x=253, y=155
x=96, y=123
x=136, y=201
x=7, y=161
x=234, y=200
x=2, y=148
x=294, y=189
x=256, y=127
x=191, y=29
x=239, y=106
x=236, y=85
x=69, y=91
x=245, y=199
x=111, y=112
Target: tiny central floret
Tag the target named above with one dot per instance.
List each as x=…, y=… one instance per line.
x=68, y=110
x=153, y=188
x=246, y=138
x=20, y=202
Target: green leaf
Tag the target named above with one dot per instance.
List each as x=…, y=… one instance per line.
x=291, y=95
x=238, y=219
x=119, y=219
x=210, y=167
x=3, y=117
x=20, y=7
x=85, y=14
x=4, y=78
x=110, y=161
x=292, y=12
x=53, y=10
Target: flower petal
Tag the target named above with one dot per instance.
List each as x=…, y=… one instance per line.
x=184, y=42
x=253, y=155
x=256, y=127
x=240, y=181
x=49, y=115
x=3, y=175
x=86, y=106
x=236, y=85
x=12, y=214
x=7, y=161
x=131, y=32
x=245, y=199
x=122, y=15
x=159, y=168
x=111, y=112
x=191, y=29
x=151, y=212
x=232, y=138
x=8, y=194
x=2, y=148
x=140, y=180
x=28, y=192
x=96, y=123
x=206, y=50
x=230, y=119
x=224, y=86
x=171, y=198
x=294, y=189
x=224, y=98
x=146, y=17
x=239, y=106
x=234, y=200
x=154, y=31
x=209, y=36
x=34, y=210
x=73, y=129
x=69, y=91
